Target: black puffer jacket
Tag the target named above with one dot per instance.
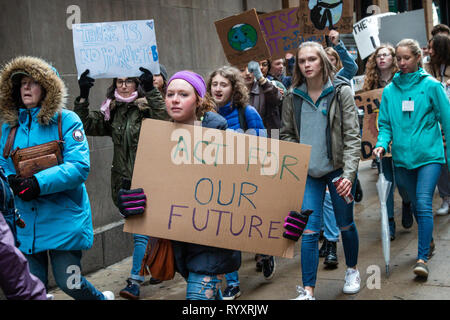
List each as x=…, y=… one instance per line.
x=201, y=259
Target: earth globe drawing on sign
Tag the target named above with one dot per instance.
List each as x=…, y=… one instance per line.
x=242, y=37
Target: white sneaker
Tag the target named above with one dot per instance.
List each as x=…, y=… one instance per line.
x=303, y=294
x=109, y=295
x=50, y=296
x=443, y=210
x=352, y=281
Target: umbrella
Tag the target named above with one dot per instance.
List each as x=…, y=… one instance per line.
x=383, y=187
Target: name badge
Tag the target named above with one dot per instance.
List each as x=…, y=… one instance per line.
x=408, y=106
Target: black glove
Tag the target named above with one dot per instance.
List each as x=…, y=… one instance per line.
x=26, y=189
x=131, y=202
x=295, y=223
x=146, y=79
x=85, y=83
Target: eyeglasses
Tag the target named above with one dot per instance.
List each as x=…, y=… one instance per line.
x=384, y=55
x=127, y=82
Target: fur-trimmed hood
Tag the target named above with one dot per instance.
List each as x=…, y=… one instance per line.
x=42, y=72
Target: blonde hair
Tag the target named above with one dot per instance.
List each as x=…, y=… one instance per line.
x=331, y=52
x=240, y=94
x=414, y=47
x=328, y=70
x=372, y=74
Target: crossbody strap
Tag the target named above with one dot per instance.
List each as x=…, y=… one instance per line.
x=12, y=136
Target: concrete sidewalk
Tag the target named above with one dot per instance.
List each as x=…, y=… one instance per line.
x=401, y=285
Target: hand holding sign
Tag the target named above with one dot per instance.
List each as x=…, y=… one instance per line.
x=85, y=83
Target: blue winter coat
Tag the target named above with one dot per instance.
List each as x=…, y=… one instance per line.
x=60, y=218
x=254, y=120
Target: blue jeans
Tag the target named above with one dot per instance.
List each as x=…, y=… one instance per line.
x=232, y=279
x=331, y=230
x=420, y=184
x=140, y=244
x=66, y=266
x=313, y=199
x=203, y=287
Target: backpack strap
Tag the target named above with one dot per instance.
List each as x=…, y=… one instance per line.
x=242, y=119
x=12, y=136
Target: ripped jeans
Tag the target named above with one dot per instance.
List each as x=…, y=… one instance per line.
x=204, y=287
x=343, y=212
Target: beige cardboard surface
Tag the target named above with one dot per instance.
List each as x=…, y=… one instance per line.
x=315, y=16
x=282, y=32
x=369, y=101
x=206, y=199
x=242, y=39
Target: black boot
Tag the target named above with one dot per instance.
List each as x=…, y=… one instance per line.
x=323, y=249
x=331, y=260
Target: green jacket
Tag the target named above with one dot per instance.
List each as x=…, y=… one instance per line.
x=124, y=128
x=343, y=134
x=416, y=136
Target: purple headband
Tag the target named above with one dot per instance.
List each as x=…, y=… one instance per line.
x=193, y=78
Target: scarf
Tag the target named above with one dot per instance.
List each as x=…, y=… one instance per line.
x=106, y=105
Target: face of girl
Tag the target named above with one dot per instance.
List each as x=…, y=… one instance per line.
x=181, y=101
x=221, y=90
x=277, y=67
x=406, y=60
x=125, y=86
x=30, y=92
x=430, y=49
x=249, y=77
x=264, y=65
x=384, y=59
x=158, y=81
x=332, y=59
x=309, y=63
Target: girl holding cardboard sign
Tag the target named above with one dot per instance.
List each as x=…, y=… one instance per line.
x=320, y=111
x=412, y=107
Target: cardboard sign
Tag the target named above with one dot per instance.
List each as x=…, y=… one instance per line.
x=242, y=39
x=369, y=101
x=282, y=33
x=320, y=16
x=407, y=25
x=115, y=49
x=218, y=188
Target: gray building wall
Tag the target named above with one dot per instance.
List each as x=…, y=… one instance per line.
x=186, y=38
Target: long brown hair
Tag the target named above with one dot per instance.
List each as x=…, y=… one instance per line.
x=372, y=74
x=441, y=48
x=328, y=70
x=240, y=95
x=331, y=52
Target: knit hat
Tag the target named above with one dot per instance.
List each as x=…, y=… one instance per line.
x=163, y=71
x=193, y=78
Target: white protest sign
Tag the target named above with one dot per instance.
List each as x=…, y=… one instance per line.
x=115, y=49
x=366, y=34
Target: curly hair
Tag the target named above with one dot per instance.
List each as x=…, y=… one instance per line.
x=204, y=105
x=240, y=94
x=372, y=74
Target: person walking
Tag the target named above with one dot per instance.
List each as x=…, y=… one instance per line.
x=128, y=102
x=412, y=107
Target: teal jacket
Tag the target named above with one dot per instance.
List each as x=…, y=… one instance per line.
x=416, y=136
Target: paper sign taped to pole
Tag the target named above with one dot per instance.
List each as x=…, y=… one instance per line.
x=320, y=16
x=218, y=188
x=115, y=49
x=282, y=32
x=242, y=39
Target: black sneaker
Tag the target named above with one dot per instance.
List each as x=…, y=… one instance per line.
x=131, y=291
x=323, y=249
x=358, y=191
x=231, y=293
x=269, y=266
x=407, y=215
x=331, y=260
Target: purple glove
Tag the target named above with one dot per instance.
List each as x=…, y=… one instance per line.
x=295, y=223
x=131, y=202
